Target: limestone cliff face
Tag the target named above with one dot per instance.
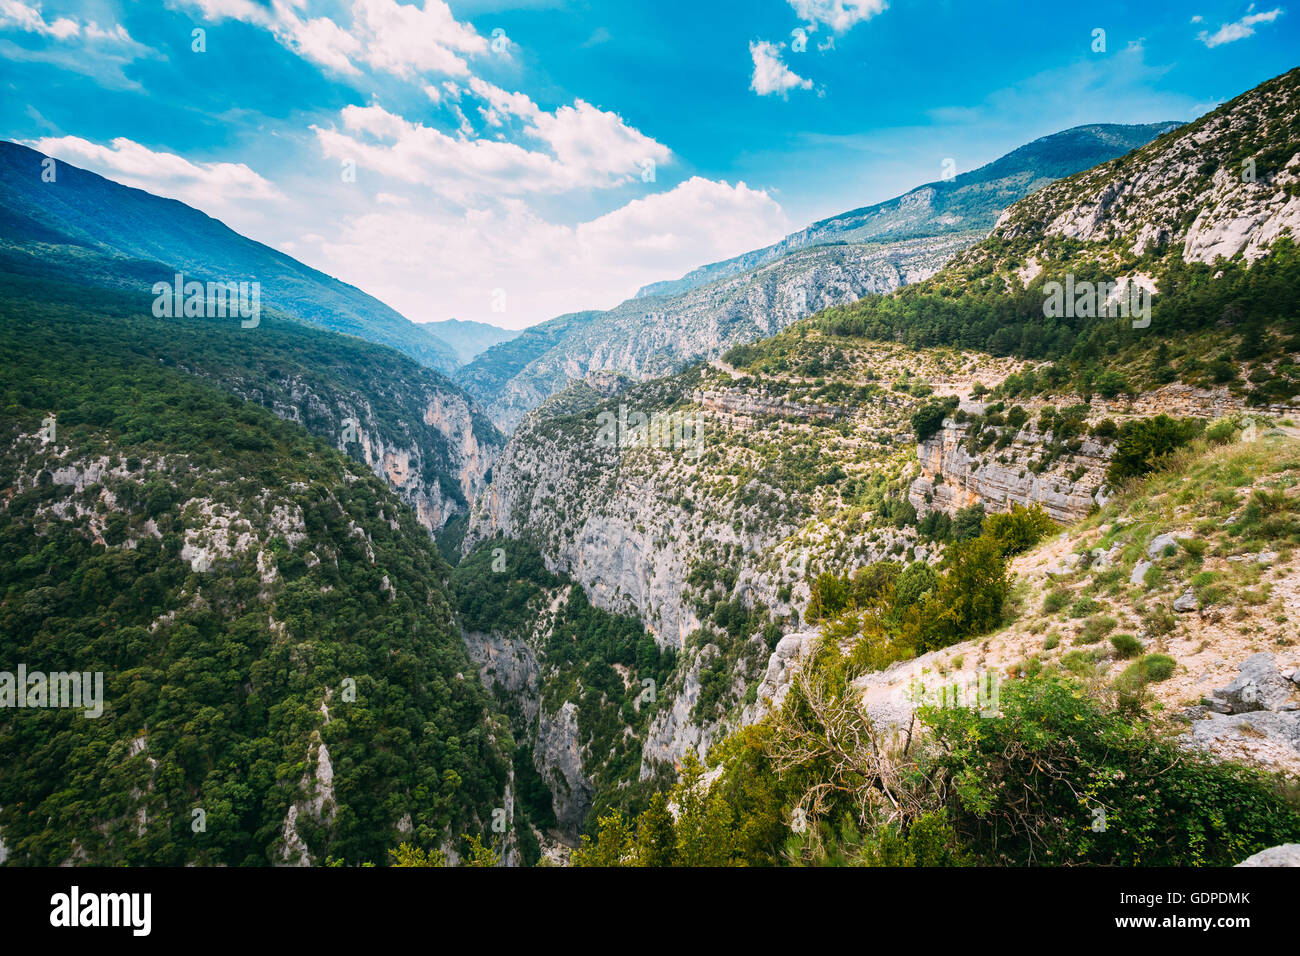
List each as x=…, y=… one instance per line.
x=645, y=337
x=1224, y=185
x=422, y=435
x=952, y=479
x=559, y=753
x=638, y=528
x=513, y=667
x=614, y=533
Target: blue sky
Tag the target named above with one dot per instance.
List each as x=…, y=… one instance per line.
x=510, y=161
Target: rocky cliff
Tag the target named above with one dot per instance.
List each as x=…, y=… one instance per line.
x=645, y=337
x=411, y=427
x=1028, y=465
x=1225, y=185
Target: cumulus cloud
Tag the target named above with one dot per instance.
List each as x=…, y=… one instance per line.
x=577, y=146
x=1238, y=29
x=397, y=38
x=80, y=46
x=839, y=15
x=215, y=188
x=771, y=75
x=431, y=266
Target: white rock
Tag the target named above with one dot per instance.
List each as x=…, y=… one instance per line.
x=1140, y=572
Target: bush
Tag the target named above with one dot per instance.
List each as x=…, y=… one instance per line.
x=1056, y=599
x=1159, y=621
x=1025, y=786
x=1156, y=667
x=1083, y=607
x=1222, y=432
x=1143, y=442
x=928, y=419
x=1020, y=529
x=1126, y=645
x=1096, y=627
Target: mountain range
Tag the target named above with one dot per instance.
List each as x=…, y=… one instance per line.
x=121, y=237
x=865, y=251
x=339, y=611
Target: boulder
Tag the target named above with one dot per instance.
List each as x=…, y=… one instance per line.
x=1288, y=854
x=1139, y=572
x=1259, y=686
x=1187, y=602
x=1158, y=544
x=1103, y=559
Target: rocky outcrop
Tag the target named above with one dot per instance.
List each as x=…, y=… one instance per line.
x=558, y=758
x=1288, y=854
x=1234, y=172
x=1257, y=716
x=781, y=668
x=952, y=479
x=316, y=802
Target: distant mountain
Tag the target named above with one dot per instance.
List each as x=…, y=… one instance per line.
x=969, y=202
x=469, y=339
x=643, y=338
x=1196, y=231
x=104, y=233
x=837, y=261
x=492, y=369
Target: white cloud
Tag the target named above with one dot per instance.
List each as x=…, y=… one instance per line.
x=771, y=75
x=398, y=38
x=28, y=17
x=430, y=265
x=78, y=46
x=404, y=39
x=584, y=148
x=216, y=188
x=839, y=15
x=1238, y=29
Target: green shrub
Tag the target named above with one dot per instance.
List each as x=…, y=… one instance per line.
x=1078, y=662
x=1020, y=529
x=1056, y=599
x=928, y=419
x=1083, y=607
x=1159, y=621
x=1156, y=667
x=1025, y=786
x=1126, y=645
x=1096, y=627
x=1143, y=442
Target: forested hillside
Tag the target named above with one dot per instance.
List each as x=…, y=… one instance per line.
x=283, y=678
x=81, y=224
